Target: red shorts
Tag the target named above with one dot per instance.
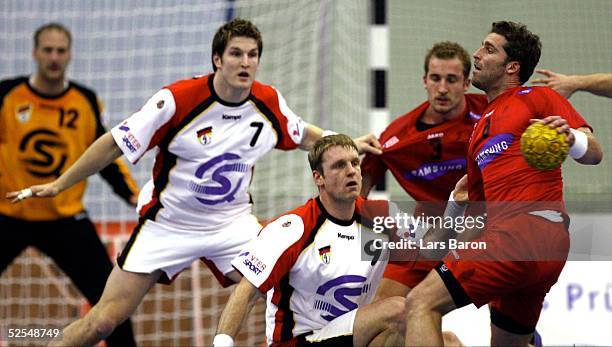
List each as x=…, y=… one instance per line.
x=410, y=273
x=524, y=258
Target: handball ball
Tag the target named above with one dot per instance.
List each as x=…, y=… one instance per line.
x=543, y=148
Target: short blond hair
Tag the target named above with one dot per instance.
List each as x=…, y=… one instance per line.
x=447, y=50
x=315, y=156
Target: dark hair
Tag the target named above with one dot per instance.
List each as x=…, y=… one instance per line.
x=449, y=50
x=52, y=26
x=235, y=28
x=315, y=156
x=522, y=46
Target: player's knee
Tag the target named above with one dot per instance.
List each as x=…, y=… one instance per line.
x=451, y=340
x=395, y=314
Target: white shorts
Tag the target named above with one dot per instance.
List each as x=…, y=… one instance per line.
x=341, y=326
x=154, y=246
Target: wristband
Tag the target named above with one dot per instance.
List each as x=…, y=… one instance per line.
x=328, y=132
x=223, y=340
x=580, y=146
x=453, y=208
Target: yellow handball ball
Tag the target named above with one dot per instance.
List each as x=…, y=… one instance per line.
x=543, y=148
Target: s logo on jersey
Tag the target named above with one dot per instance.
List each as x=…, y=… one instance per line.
x=224, y=188
x=496, y=145
x=45, y=153
x=336, y=293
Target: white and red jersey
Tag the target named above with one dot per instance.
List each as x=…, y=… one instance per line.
x=207, y=149
x=310, y=266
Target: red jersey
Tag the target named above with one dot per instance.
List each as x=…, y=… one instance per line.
x=426, y=163
x=497, y=171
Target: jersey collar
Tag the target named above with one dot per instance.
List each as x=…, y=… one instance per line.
x=335, y=220
x=218, y=99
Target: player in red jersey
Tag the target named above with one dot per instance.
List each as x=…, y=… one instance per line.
x=534, y=229
x=425, y=149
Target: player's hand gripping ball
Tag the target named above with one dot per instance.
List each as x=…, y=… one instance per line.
x=543, y=148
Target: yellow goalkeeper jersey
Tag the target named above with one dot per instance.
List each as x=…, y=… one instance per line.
x=41, y=136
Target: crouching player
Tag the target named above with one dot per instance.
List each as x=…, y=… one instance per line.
x=308, y=263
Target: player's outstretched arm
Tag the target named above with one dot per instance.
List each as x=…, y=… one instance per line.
x=598, y=84
x=235, y=312
x=584, y=146
x=99, y=155
x=365, y=144
x=311, y=134
x=118, y=176
x=368, y=143
x=455, y=209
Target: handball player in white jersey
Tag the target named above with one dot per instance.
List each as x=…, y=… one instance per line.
x=308, y=263
x=208, y=132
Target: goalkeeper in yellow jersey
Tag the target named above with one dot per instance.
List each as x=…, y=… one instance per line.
x=46, y=123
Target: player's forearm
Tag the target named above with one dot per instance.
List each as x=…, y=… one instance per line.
x=453, y=224
x=598, y=84
x=237, y=308
x=99, y=155
x=311, y=134
x=594, y=153
x=119, y=178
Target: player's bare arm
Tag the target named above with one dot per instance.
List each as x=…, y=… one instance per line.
x=311, y=134
x=235, y=312
x=584, y=146
x=365, y=144
x=99, y=155
x=455, y=207
x=566, y=85
x=594, y=153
